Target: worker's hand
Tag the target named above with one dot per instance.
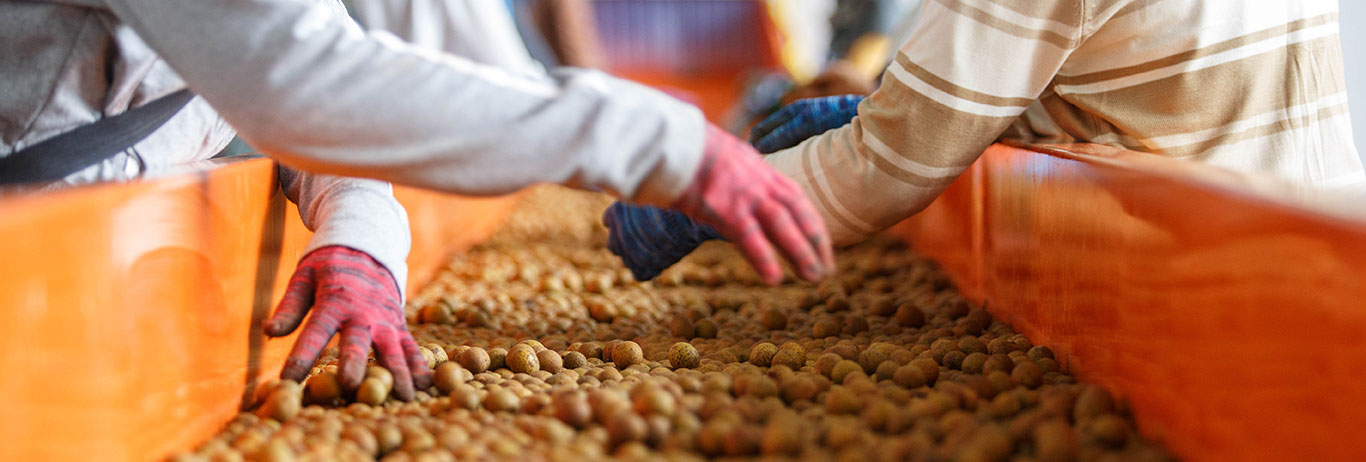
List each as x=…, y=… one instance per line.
x=803, y=119
x=650, y=240
x=743, y=200
x=351, y=293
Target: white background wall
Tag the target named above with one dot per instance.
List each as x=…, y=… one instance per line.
x=1353, y=20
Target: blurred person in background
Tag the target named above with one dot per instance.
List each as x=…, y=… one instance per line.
x=1250, y=86
x=95, y=90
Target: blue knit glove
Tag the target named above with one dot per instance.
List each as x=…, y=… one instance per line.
x=650, y=240
x=803, y=119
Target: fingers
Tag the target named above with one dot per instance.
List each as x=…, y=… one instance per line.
x=780, y=228
x=317, y=332
x=355, y=348
x=788, y=135
x=808, y=219
x=772, y=122
x=297, y=300
x=615, y=231
x=422, y=376
x=754, y=245
x=390, y=355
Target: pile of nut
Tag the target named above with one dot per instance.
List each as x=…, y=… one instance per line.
x=544, y=348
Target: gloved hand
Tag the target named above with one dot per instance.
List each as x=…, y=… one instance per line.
x=803, y=119
x=737, y=196
x=650, y=239
x=350, y=292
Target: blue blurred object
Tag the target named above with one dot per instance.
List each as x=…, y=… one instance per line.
x=803, y=119
x=649, y=239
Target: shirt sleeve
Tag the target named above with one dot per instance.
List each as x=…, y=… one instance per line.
x=319, y=94
x=357, y=213
x=969, y=69
x=482, y=31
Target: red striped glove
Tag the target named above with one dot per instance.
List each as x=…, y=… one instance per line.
x=351, y=293
x=756, y=208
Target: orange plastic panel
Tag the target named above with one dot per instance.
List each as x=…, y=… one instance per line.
x=1225, y=308
x=132, y=309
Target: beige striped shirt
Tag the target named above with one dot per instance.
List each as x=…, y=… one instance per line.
x=1250, y=85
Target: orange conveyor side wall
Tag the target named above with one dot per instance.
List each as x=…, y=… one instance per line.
x=131, y=310
x=1228, y=319
x=1228, y=316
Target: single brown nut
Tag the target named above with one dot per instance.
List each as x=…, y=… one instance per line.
x=574, y=360
x=624, y=427
x=572, y=408
x=550, y=361
x=836, y=303
x=522, y=359
x=683, y=355
x=774, y=319
x=681, y=326
x=440, y=312
x=502, y=399
x=974, y=363
x=447, y=376
x=799, y=389
x=627, y=354
x=825, y=327
x=323, y=389
x=886, y=370
x=854, y=325
x=384, y=376
x=970, y=345
x=653, y=400
x=1041, y=352
x=791, y=358
x=497, y=359
x=998, y=363
x=908, y=315
x=283, y=403
x=882, y=306
x=589, y=350
x=870, y=359
x=910, y=376
x=1108, y=430
x=363, y=438
x=842, y=369
x=1027, y=374
x=372, y=392
x=954, y=360
x=464, y=396
x=929, y=367
x=842, y=400
x=427, y=356
x=762, y=354
x=705, y=328
x=825, y=363
x=1000, y=346
x=475, y=360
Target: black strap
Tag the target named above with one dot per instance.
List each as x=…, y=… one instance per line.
x=55, y=158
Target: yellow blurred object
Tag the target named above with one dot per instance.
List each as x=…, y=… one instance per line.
x=800, y=65
x=869, y=54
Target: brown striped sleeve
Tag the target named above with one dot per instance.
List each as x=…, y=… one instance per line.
x=969, y=69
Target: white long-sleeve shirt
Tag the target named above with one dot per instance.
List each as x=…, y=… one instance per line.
x=311, y=89
x=320, y=94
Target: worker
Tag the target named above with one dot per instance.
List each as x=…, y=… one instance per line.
x=304, y=84
x=1252, y=86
